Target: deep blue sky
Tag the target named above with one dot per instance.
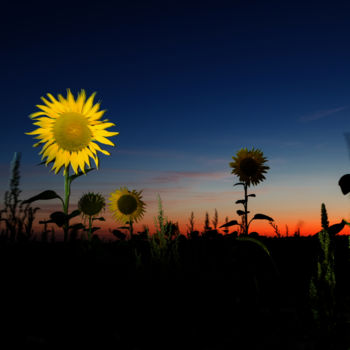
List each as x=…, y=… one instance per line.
x=187, y=85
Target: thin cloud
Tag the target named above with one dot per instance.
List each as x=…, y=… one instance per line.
x=176, y=176
x=321, y=114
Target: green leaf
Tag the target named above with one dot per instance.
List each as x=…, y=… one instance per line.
x=101, y=219
x=251, y=195
x=43, y=196
x=240, y=201
x=262, y=217
x=230, y=223
x=239, y=183
x=74, y=176
x=344, y=184
x=74, y=214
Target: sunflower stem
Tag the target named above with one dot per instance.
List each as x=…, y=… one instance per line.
x=245, y=209
x=130, y=228
x=90, y=228
x=67, y=182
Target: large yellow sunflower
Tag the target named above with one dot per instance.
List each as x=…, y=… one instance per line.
x=126, y=205
x=248, y=166
x=69, y=128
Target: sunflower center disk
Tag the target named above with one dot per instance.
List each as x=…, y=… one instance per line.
x=249, y=167
x=71, y=131
x=127, y=204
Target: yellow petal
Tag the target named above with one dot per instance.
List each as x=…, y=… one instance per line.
x=103, y=126
x=103, y=140
x=88, y=103
x=74, y=161
x=80, y=101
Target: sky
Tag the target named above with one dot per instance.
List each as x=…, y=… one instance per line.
x=188, y=84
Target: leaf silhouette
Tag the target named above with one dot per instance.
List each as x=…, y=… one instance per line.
x=230, y=223
x=241, y=212
x=43, y=196
x=262, y=217
x=58, y=217
x=74, y=214
x=251, y=195
x=240, y=201
x=344, y=184
x=74, y=176
x=239, y=183
x=101, y=219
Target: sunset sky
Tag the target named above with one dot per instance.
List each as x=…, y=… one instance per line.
x=188, y=84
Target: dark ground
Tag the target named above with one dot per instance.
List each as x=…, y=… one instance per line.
x=222, y=295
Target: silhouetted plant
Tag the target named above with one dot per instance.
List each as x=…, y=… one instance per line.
x=275, y=227
x=323, y=282
x=18, y=217
x=215, y=220
x=248, y=166
x=164, y=249
x=90, y=205
x=206, y=222
x=191, y=226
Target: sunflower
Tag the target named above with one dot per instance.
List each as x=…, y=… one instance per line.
x=126, y=205
x=91, y=204
x=69, y=129
x=248, y=166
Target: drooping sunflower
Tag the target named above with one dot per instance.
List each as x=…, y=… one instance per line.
x=249, y=166
x=69, y=130
x=126, y=205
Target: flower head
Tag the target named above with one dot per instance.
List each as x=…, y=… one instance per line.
x=91, y=204
x=69, y=129
x=248, y=166
x=126, y=205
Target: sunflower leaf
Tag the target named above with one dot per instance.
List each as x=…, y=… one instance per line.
x=240, y=201
x=344, y=184
x=95, y=229
x=262, y=217
x=74, y=176
x=58, y=217
x=251, y=195
x=241, y=212
x=230, y=223
x=43, y=196
x=239, y=183
x=74, y=214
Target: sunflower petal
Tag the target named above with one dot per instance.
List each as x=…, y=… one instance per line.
x=88, y=104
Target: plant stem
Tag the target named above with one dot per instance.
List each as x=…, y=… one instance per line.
x=90, y=228
x=245, y=209
x=67, y=182
x=130, y=228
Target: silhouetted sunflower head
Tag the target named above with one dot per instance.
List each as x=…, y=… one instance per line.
x=91, y=204
x=126, y=205
x=249, y=166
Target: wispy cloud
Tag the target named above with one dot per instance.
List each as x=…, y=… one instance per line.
x=321, y=114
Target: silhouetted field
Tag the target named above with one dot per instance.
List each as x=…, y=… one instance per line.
x=220, y=294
